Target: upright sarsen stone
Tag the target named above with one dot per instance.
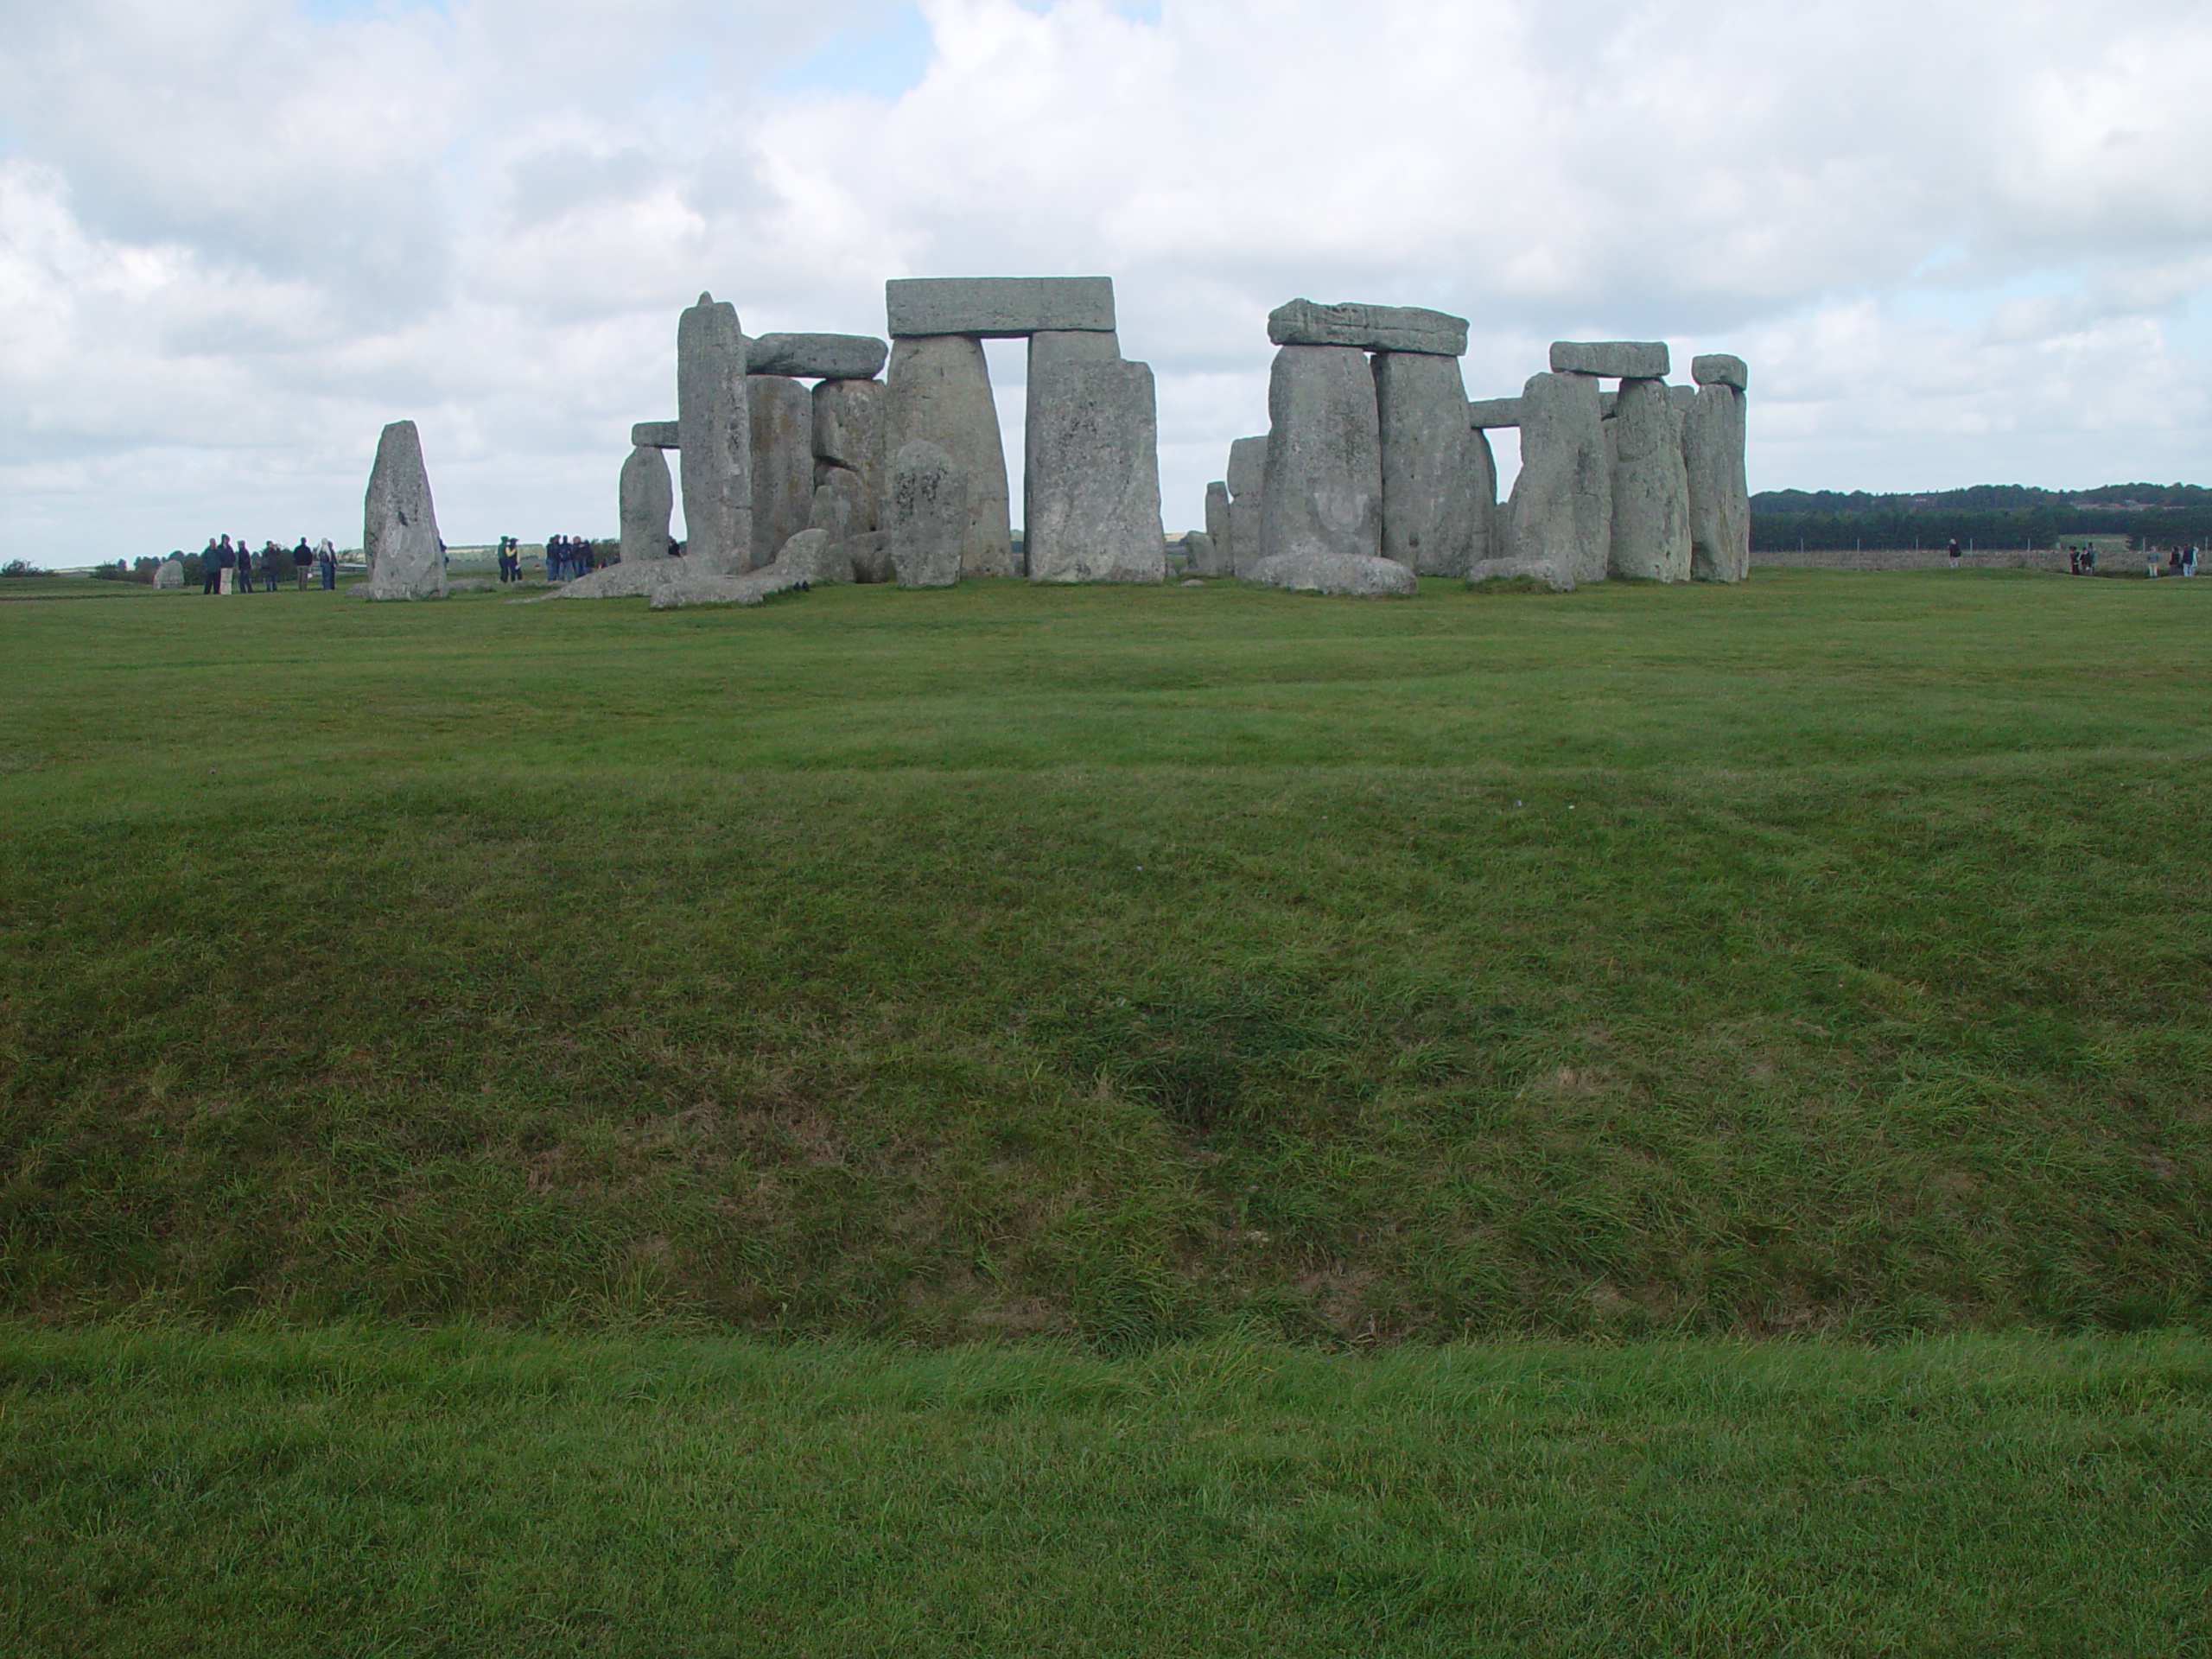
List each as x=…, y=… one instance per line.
x=1429, y=469
x=1719, y=496
x=399, y=524
x=1091, y=485
x=925, y=516
x=1324, y=490
x=849, y=435
x=1488, y=543
x=169, y=573
x=1651, y=490
x=647, y=499
x=1218, y=560
x=1248, y=480
x=938, y=391
x=782, y=420
x=715, y=428
x=1560, y=520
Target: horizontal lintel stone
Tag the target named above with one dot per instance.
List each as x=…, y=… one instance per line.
x=1370, y=327
x=816, y=357
x=1494, y=411
x=1621, y=359
x=1719, y=369
x=998, y=307
x=654, y=434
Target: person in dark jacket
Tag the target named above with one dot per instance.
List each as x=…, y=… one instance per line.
x=302, y=560
x=210, y=572
x=227, y=561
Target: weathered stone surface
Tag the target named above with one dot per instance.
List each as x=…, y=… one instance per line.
x=1199, y=554
x=1429, y=470
x=816, y=357
x=714, y=427
x=169, y=573
x=399, y=525
x=838, y=504
x=1510, y=570
x=1324, y=493
x=1091, y=487
x=813, y=557
x=657, y=435
x=1488, y=412
x=871, y=557
x=749, y=589
x=1218, y=561
x=1336, y=573
x=1370, y=327
x=1720, y=501
x=1651, y=490
x=1684, y=398
x=1623, y=360
x=940, y=393
x=624, y=580
x=1719, y=369
x=926, y=515
x=646, y=497
x=997, y=308
x=1248, y=480
x=849, y=433
x=782, y=413
x=1487, y=535
x=1560, y=520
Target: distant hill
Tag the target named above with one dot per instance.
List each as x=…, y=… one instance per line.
x=1988, y=515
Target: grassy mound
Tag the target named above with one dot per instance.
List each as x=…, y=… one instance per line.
x=1829, y=952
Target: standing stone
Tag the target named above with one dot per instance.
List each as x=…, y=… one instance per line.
x=1488, y=540
x=782, y=421
x=1218, y=559
x=1091, y=487
x=1429, y=470
x=840, y=505
x=399, y=525
x=715, y=430
x=849, y=433
x=1247, y=478
x=647, y=496
x=925, y=516
x=1560, y=521
x=1719, y=496
x=169, y=573
x=939, y=393
x=1651, y=489
x=1324, y=491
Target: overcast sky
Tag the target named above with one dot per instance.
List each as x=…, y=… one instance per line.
x=1958, y=241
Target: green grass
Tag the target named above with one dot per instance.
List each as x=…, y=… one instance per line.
x=461, y=1493
x=1828, y=953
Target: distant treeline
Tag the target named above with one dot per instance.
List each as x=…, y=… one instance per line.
x=1987, y=515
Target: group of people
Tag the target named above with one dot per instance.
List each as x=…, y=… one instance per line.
x=569, y=556
x=2180, y=562
x=230, y=568
x=509, y=559
x=2082, y=561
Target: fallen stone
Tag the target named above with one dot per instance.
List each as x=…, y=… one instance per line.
x=1429, y=468
x=1344, y=574
x=169, y=573
x=940, y=393
x=997, y=308
x=399, y=525
x=1247, y=478
x=1560, y=519
x=1651, y=489
x=870, y=554
x=715, y=426
x=624, y=580
x=782, y=416
x=1489, y=412
x=472, y=585
x=1370, y=327
x=647, y=497
x=849, y=433
x=657, y=435
x=1510, y=570
x=1614, y=360
x=1091, y=487
x=1218, y=561
x=1720, y=502
x=751, y=588
x=925, y=516
x=816, y=357
x=814, y=557
x=1719, y=369
x=1190, y=582
x=1324, y=491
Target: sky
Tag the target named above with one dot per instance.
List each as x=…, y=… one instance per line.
x=1958, y=241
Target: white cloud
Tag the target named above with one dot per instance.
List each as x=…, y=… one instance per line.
x=1960, y=240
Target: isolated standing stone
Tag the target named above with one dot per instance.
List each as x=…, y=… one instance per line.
x=1324, y=493
x=938, y=392
x=169, y=573
x=1651, y=489
x=1560, y=516
x=816, y=357
x=1218, y=560
x=782, y=418
x=1091, y=494
x=849, y=433
x=1248, y=480
x=1370, y=327
x=647, y=497
x=997, y=308
x=925, y=516
x=399, y=525
x=714, y=430
x=1720, y=502
x=1429, y=470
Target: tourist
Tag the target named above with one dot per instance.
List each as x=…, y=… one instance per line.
x=302, y=560
x=272, y=557
x=2173, y=562
x=2150, y=562
x=2073, y=561
x=326, y=558
x=2189, y=560
x=211, y=570
x=226, y=566
x=1954, y=552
